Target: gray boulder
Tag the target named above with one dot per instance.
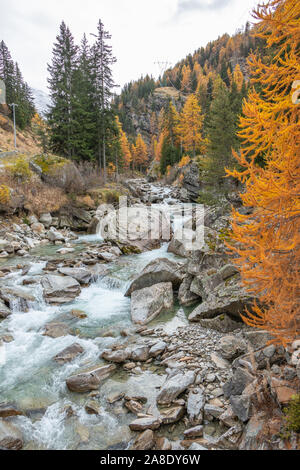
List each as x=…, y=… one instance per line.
x=88, y=381
x=148, y=303
x=157, y=271
x=60, y=289
x=195, y=405
x=174, y=386
x=82, y=275
x=185, y=296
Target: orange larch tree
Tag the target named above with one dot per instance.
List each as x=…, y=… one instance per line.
x=190, y=126
x=267, y=242
x=140, y=152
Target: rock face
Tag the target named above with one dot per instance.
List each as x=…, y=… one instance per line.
x=149, y=302
x=88, y=381
x=60, y=289
x=138, y=226
x=191, y=182
x=157, y=271
x=174, y=386
x=10, y=436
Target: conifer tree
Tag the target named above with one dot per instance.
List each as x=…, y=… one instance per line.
x=190, y=126
x=61, y=81
x=103, y=60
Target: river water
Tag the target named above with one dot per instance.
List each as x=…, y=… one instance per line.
x=35, y=383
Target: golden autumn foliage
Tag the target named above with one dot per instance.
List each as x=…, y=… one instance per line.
x=140, y=152
x=190, y=126
x=267, y=242
x=184, y=161
x=238, y=77
x=125, y=147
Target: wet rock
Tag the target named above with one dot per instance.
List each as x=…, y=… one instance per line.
x=11, y=295
x=148, y=303
x=157, y=349
x=118, y=356
x=145, y=441
x=172, y=414
x=174, y=386
x=4, y=310
x=10, y=436
x=83, y=276
x=134, y=406
x=78, y=313
x=196, y=431
x=141, y=424
x=114, y=397
x=8, y=409
x=60, y=289
x=195, y=405
x=88, y=381
x=55, y=330
x=92, y=407
x=158, y=271
x=69, y=353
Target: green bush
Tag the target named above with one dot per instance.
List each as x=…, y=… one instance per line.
x=292, y=415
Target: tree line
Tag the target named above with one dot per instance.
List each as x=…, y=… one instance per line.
x=17, y=90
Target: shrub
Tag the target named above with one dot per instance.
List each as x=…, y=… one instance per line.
x=19, y=169
x=4, y=194
x=292, y=414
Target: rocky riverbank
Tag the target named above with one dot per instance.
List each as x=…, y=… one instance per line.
x=202, y=380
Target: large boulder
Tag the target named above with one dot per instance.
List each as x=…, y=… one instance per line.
x=149, y=302
x=82, y=275
x=226, y=298
x=60, y=289
x=140, y=226
x=88, y=381
x=158, y=270
x=185, y=296
x=174, y=386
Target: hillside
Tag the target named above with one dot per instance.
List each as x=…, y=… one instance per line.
x=26, y=139
x=141, y=101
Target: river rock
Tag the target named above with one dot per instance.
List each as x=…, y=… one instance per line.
x=10, y=436
x=157, y=349
x=162, y=443
x=141, y=424
x=148, y=303
x=195, y=405
x=54, y=235
x=8, y=409
x=158, y=271
x=88, y=381
x=185, y=296
x=145, y=441
x=11, y=295
x=196, y=431
x=60, y=289
x=231, y=347
x=140, y=353
x=230, y=299
x=238, y=382
x=69, y=353
x=46, y=219
x=172, y=414
x=82, y=275
x=174, y=386
x=92, y=407
x=4, y=310
x=56, y=330
x=118, y=356
x=222, y=323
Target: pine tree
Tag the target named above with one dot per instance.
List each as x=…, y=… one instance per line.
x=221, y=133
x=140, y=152
x=103, y=59
x=61, y=82
x=83, y=107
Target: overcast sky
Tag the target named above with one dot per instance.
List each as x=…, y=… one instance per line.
x=143, y=31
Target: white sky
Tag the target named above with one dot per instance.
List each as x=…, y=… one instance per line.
x=142, y=31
